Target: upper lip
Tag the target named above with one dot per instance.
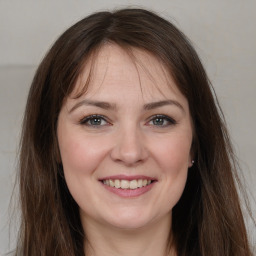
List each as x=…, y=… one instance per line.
x=126, y=177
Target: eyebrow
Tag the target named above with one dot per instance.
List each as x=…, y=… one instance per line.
x=111, y=106
x=157, y=104
x=99, y=104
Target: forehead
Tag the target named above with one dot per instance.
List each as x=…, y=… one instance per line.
x=115, y=69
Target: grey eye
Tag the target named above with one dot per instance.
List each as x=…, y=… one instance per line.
x=94, y=120
x=161, y=120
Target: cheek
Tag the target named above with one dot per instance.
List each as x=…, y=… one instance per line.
x=173, y=154
x=79, y=154
x=80, y=157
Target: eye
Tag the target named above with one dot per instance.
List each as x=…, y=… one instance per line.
x=161, y=121
x=94, y=120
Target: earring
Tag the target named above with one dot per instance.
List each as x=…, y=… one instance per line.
x=192, y=162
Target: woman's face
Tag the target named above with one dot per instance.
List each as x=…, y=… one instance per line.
x=126, y=143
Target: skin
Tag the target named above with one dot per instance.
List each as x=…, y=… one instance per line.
x=127, y=140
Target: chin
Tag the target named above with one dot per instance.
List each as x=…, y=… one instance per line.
x=129, y=224
x=131, y=220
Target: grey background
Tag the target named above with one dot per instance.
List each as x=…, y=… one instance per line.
x=222, y=31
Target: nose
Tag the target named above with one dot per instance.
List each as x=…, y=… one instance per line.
x=129, y=147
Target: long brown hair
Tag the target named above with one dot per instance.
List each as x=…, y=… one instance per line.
x=206, y=221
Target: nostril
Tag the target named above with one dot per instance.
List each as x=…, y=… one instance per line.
x=129, y=147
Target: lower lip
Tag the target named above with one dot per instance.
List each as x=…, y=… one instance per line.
x=129, y=192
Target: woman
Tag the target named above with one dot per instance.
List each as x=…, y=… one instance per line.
x=124, y=150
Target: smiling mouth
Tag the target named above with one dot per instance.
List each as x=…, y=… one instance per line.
x=127, y=184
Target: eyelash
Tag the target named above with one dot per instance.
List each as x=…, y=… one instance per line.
x=85, y=121
x=170, y=121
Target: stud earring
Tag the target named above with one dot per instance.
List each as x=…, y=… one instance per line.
x=192, y=162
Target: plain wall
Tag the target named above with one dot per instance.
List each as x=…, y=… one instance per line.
x=222, y=31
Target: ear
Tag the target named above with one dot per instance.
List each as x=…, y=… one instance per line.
x=191, y=160
x=191, y=163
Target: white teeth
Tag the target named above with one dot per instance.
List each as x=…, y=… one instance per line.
x=144, y=183
x=117, y=184
x=126, y=184
x=140, y=183
x=111, y=183
x=133, y=184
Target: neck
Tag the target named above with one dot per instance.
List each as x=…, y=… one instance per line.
x=106, y=240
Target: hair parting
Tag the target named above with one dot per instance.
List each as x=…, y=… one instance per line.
x=207, y=220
